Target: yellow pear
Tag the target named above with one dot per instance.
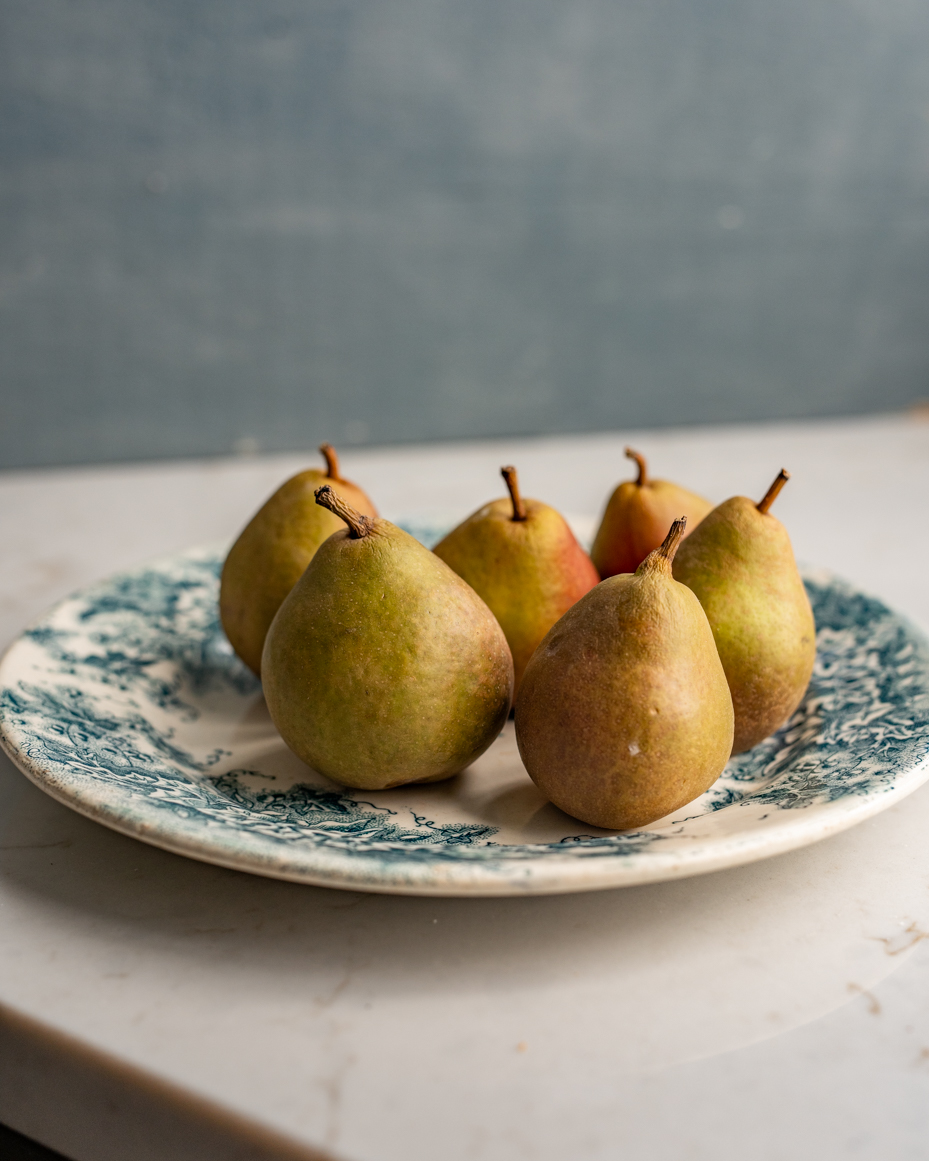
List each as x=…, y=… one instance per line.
x=741, y=565
x=382, y=666
x=272, y=551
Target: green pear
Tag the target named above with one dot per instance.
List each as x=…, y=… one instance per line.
x=624, y=713
x=741, y=565
x=637, y=517
x=272, y=551
x=520, y=557
x=382, y=666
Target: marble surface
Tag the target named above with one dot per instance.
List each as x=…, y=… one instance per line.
x=151, y=1006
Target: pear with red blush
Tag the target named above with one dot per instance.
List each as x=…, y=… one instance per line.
x=637, y=517
x=521, y=557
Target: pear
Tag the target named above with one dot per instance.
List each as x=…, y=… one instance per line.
x=636, y=518
x=624, y=713
x=382, y=666
x=272, y=551
x=740, y=563
x=520, y=557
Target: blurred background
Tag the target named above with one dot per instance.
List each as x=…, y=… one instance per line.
x=233, y=227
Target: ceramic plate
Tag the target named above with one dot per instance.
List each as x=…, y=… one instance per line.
x=127, y=704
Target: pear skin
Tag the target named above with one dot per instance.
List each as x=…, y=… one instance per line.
x=624, y=714
x=523, y=560
x=382, y=666
x=273, y=550
x=741, y=565
x=637, y=517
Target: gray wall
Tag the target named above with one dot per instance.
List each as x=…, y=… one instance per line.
x=253, y=225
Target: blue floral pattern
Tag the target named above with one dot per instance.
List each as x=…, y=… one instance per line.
x=100, y=704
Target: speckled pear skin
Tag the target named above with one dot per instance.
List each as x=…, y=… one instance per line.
x=383, y=667
x=529, y=572
x=624, y=713
x=741, y=565
x=636, y=520
x=271, y=553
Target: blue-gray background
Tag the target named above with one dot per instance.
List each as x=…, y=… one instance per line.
x=251, y=225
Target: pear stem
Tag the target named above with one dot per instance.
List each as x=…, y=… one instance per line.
x=669, y=545
x=772, y=493
x=659, y=560
x=332, y=461
x=359, y=526
x=640, y=460
x=512, y=483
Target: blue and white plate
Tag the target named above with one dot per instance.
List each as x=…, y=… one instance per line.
x=127, y=704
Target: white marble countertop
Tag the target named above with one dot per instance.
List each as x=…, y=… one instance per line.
x=152, y=1007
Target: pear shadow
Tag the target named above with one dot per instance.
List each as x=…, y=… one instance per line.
x=517, y=807
x=258, y=713
x=524, y=810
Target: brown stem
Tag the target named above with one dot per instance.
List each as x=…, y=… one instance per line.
x=660, y=559
x=640, y=460
x=519, y=507
x=332, y=461
x=359, y=526
x=772, y=493
x=670, y=543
